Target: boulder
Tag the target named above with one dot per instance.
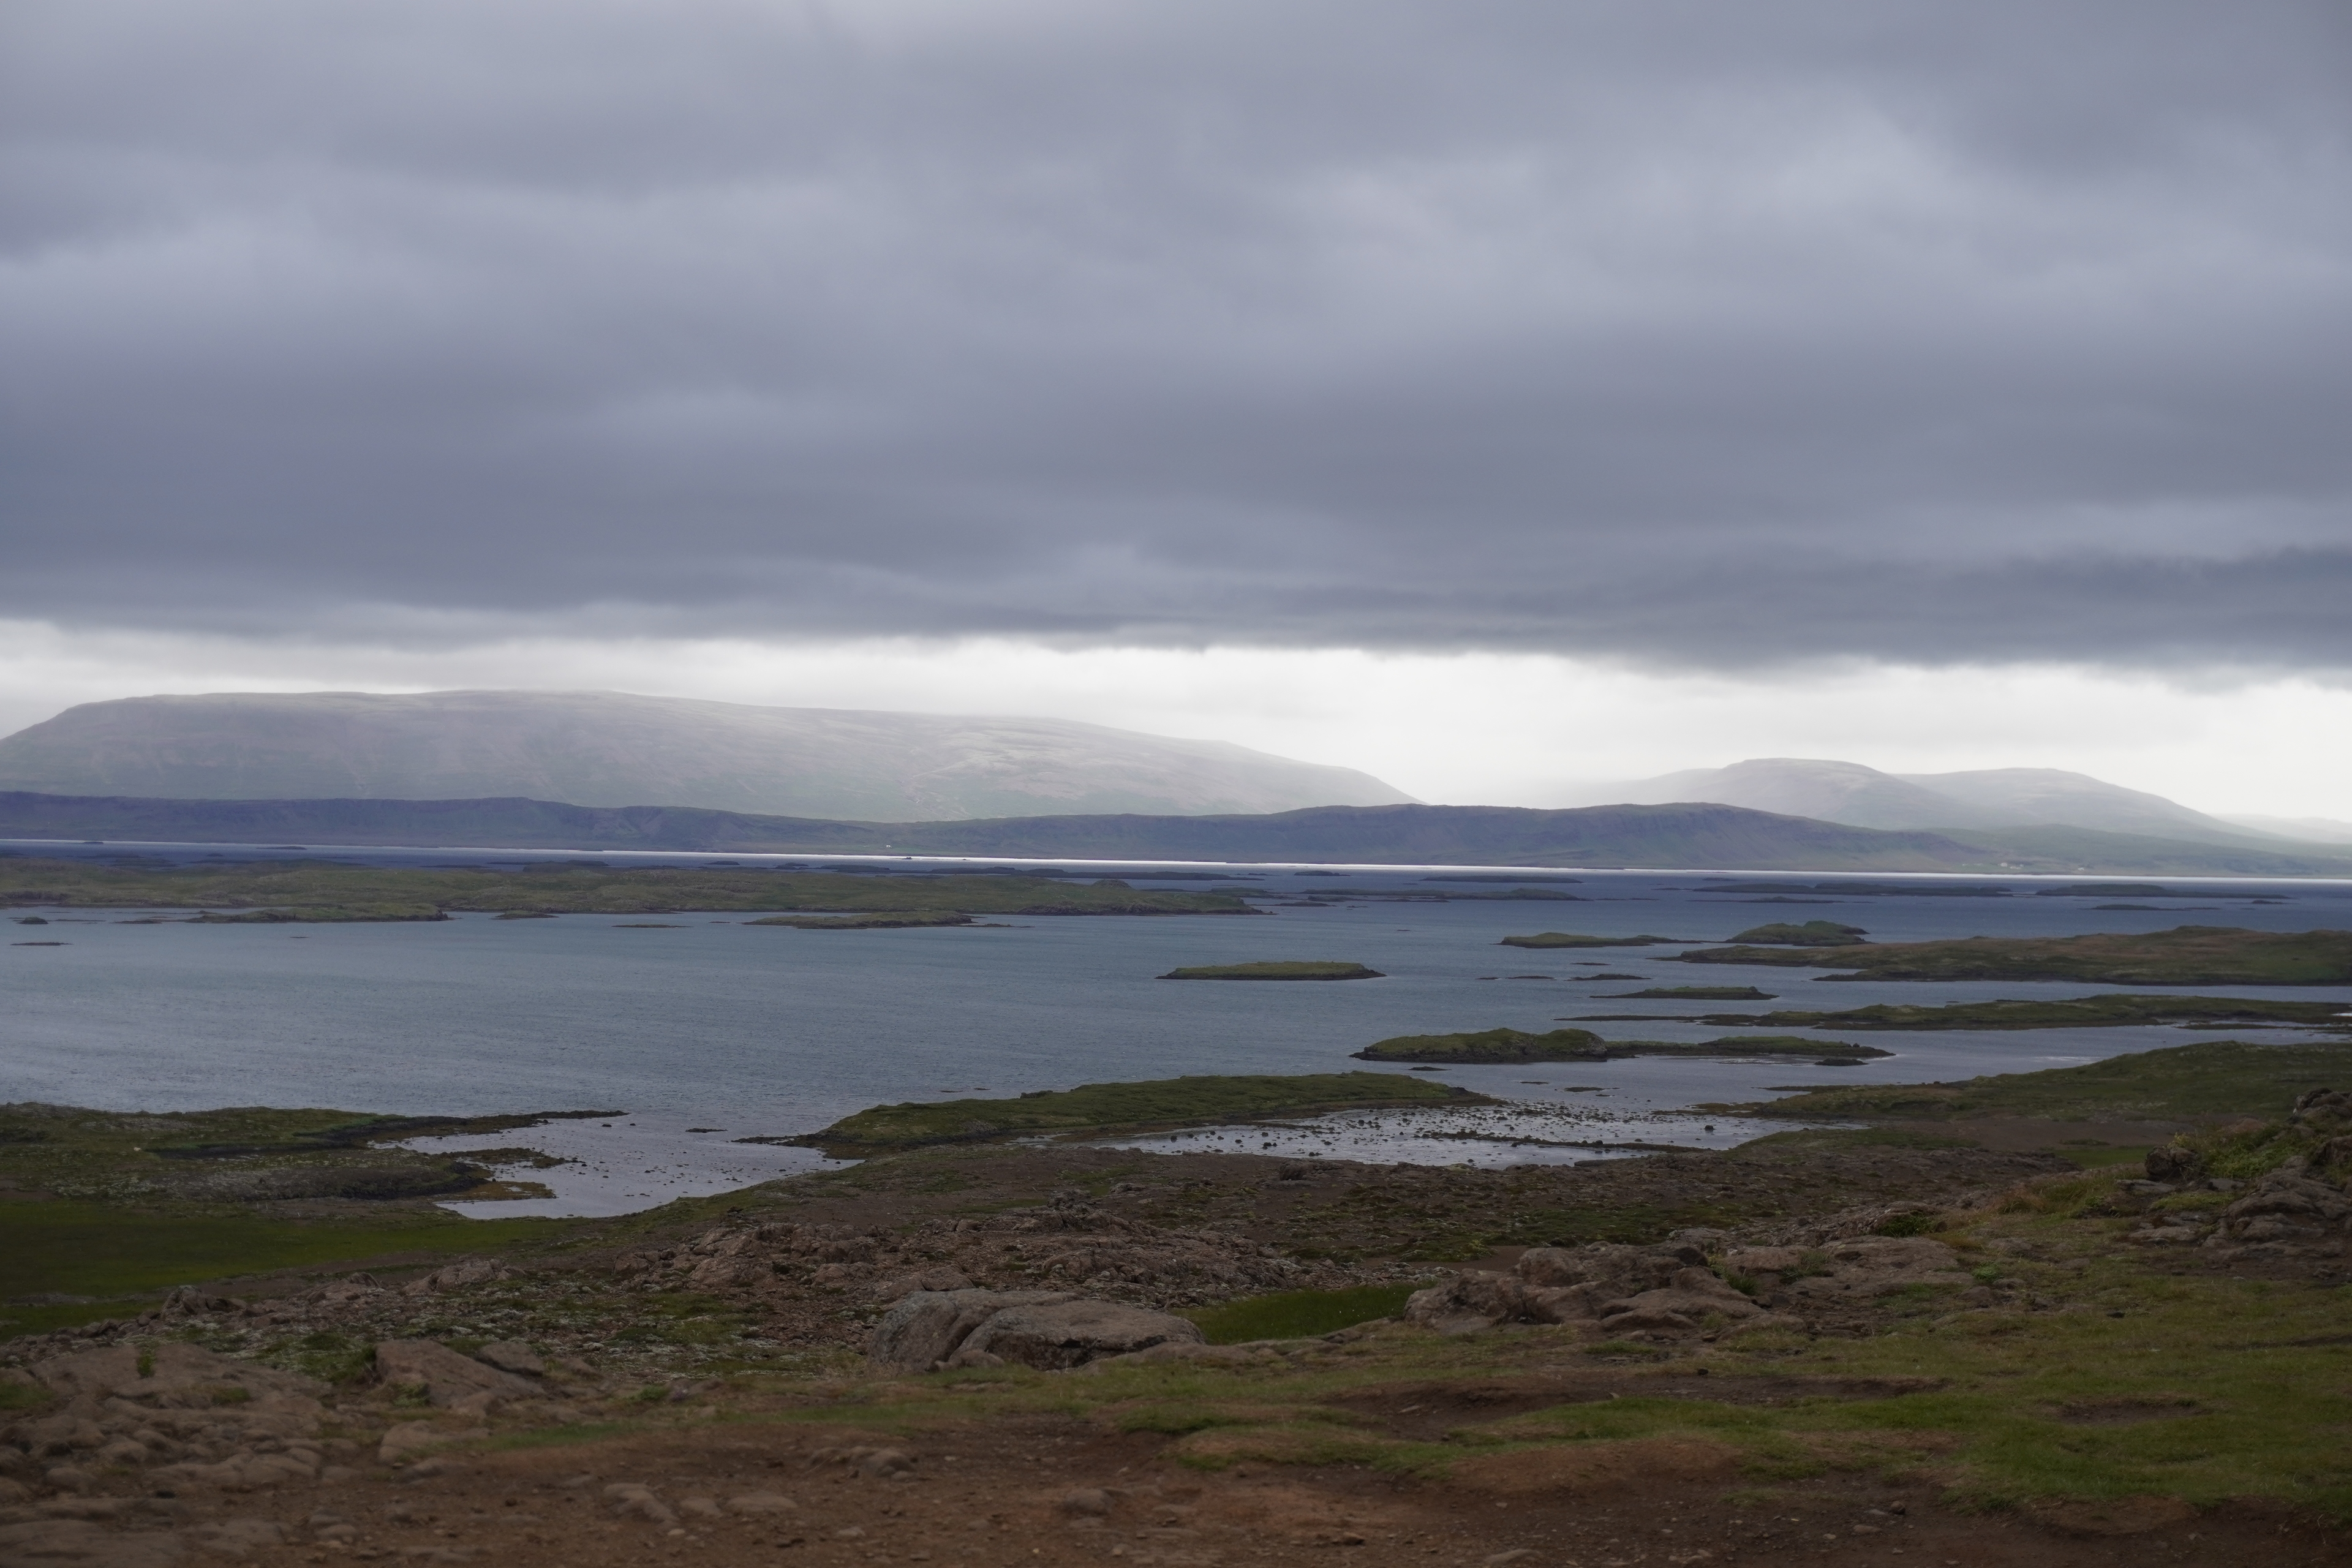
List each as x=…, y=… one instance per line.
x=927, y=1326
x=447, y=1377
x=1051, y=1335
x=1552, y=1285
x=1692, y=1298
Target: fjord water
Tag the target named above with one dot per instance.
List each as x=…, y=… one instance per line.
x=704, y=1031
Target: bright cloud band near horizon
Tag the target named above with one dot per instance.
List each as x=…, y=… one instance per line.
x=1468, y=729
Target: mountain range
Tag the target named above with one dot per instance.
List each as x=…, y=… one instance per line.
x=613, y=749
x=1860, y=797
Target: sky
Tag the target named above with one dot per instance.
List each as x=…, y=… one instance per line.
x=1497, y=396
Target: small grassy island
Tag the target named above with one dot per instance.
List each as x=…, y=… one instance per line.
x=1812, y=933
x=1516, y=1046
x=2185, y=955
x=273, y=891
x=1281, y=971
x=880, y=919
x=1572, y=939
x=1127, y=1107
x=1689, y=993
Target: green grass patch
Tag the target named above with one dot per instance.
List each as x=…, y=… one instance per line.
x=1286, y=970
x=108, y=1253
x=1108, y=1107
x=1298, y=1315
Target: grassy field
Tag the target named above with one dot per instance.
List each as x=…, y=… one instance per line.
x=107, y=1259
x=2185, y=955
x=320, y=890
x=2210, y=1080
x=1108, y=1107
x=1307, y=970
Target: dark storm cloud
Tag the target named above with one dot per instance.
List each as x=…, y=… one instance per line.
x=1691, y=331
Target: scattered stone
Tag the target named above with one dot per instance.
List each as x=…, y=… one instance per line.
x=410, y=1438
x=512, y=1356
x=43, y=1542
x=761, y=1502
x=1088, y=1502
x=447, y=1377
x=472, y=1271
x=635, y=1499
x=237, y=1537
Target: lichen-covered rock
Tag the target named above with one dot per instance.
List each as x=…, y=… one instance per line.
x=1052, y=1335
x=2288, y=1206
x=1551, y=1285
x=929, y=1326
x=1693, y=1299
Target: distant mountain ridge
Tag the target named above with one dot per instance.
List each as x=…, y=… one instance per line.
x=1678, y=837
x=613, y=748
x=1862, y=797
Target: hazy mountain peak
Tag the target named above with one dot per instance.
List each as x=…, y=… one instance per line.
x=1862, y=797
x=613, y=748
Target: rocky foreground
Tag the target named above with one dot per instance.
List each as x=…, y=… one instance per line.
x=847, y=1371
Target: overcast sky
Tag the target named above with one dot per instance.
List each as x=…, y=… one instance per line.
x=1639, y=348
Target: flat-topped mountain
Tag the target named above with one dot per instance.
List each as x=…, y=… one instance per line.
x=612, y=748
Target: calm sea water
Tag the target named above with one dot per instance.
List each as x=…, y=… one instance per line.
x=714, y=1030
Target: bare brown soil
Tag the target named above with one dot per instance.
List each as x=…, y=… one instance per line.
x=1037, y=1491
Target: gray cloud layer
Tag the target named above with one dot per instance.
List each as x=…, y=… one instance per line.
x=1691, y=331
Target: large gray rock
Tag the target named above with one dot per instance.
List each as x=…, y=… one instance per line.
x=447, y=1376
x=926, y=1328
x=1056, y=1334
x=1045, y=1329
